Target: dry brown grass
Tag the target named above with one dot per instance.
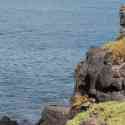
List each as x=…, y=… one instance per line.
x=117, y=48
x=79, y=101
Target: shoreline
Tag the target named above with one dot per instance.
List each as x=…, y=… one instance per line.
x=93, y=84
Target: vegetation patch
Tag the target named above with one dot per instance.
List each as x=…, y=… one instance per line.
x=112, y=113
x=117, y=48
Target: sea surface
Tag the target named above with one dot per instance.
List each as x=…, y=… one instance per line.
x=41, y=41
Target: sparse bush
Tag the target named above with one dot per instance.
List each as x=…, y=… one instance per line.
x=117, y=48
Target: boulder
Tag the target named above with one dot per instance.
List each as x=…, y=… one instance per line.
x=54, y=115
x=97, y=77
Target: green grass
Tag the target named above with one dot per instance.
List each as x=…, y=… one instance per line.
x=113, y=113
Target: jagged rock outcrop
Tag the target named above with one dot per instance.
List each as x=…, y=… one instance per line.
x=122, y=20
x=54, y=115
x=97, y=77
x=7, y=121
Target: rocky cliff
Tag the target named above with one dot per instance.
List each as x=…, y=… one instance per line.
x=122, y=20
x=99, y=77
x=99, y=92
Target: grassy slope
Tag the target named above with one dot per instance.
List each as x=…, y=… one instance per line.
x=113, y=113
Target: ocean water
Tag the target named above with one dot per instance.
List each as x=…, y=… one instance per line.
x=41, y=41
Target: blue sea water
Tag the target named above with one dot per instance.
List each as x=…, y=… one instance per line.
x=41, y=41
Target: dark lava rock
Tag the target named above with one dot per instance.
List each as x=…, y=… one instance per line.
x=122, y=15
x=122, y=20
x=54, y=115
x=97, y=77
x=7, y=121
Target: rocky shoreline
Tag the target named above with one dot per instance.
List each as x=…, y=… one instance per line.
x=98, y=78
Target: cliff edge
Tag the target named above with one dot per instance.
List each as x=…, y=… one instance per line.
x=99, y=92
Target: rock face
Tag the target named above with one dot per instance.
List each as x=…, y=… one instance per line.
x=122, y=20
x=97, y=77
x=54, y=115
